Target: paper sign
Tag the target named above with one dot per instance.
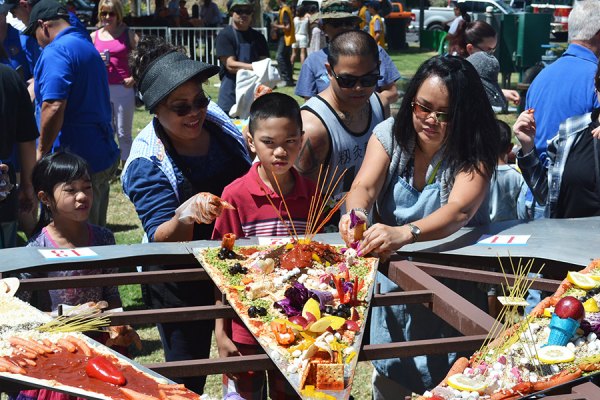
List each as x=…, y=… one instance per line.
x=269, y=241
x=53, y=254
x=503, y=240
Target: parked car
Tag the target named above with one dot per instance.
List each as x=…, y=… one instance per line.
x=398, y=12
x=436, y=18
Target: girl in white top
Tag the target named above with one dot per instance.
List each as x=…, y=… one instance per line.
x=301, y=21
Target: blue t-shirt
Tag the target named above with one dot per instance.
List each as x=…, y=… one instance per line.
x=562, y=90
x=32, y=50
x=17, y=59
x=313, y=77
x=70, y=68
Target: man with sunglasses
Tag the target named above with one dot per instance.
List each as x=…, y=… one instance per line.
x=238, y=46
x=336, y=17
x=71, y=86
x=339, y=121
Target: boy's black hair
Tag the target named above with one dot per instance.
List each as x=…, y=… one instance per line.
x=352, y=43
x=53, y=169
x=274, y=105
x=505, y=138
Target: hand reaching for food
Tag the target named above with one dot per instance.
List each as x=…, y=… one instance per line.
x=202, y=208
x=123, y=335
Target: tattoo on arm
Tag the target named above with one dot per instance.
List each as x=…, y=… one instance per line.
x=308, y=162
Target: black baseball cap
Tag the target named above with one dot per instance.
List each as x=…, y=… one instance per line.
x=45, y=10
x=8, y=5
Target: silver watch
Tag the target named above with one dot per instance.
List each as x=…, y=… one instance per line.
x=415, y=231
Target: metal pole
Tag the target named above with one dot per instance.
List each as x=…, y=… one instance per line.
x=421, y=21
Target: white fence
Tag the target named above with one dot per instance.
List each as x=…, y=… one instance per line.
x=200, y=42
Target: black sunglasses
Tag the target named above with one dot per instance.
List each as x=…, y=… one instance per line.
x=423, y=113
x=243, y=11
x=182, y=110
x=350, y=81
x=107, y=14
x=489, y=51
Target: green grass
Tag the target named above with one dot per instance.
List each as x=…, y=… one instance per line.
x=123, y=221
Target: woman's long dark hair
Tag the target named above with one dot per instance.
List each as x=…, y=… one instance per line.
x=472, y=134
x=51, y=170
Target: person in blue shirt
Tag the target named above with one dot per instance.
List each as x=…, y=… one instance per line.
x=71, y=84
x=336, y=17
x=565, y=88
x=11, y=51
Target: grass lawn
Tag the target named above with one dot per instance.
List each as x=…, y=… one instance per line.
x=123, y=221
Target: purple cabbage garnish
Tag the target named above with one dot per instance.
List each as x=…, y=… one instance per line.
x=355, y=219
x=323, y=297
x=295, y=298
x=591, y=323
x=297, y=295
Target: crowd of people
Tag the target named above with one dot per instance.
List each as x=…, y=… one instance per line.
x=439, y=164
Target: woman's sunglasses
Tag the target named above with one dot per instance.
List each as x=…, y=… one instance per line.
x=350, y=81
x=423, y=113
x=182, y=110
x=107, y=14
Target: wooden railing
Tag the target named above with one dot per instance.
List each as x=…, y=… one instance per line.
x=418, y=280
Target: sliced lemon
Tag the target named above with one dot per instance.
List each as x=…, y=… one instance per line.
x=555, y=354
x=595, y=276
x=463, y=382
x=582, y=281
x=312, y=306
x=548, y=312
x=326, y=322
x=590, y=305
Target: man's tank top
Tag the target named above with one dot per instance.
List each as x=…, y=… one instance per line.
x=347, y=148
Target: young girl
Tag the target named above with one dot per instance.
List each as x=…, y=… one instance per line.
x=63, y=186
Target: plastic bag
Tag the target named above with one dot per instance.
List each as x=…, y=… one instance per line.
x=202, y=208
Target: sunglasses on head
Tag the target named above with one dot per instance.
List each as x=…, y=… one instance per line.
x=243, y=11
x=184, y=109
x=107, y=14
x=350, y=81
x=423, y=113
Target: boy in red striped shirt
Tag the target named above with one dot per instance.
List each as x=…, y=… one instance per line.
x=275, y=137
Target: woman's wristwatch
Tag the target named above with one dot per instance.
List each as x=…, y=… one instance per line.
x=415, y=231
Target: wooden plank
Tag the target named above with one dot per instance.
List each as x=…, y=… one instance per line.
x=123, y=278
x=179, y=314
x=421, y=347
x=413, y=297
x=473, y=275
x=201, y=313
x=448, y=305
x=262, y=361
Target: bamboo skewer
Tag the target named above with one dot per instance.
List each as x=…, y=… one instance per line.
x=275, y=208
x=286, y=207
